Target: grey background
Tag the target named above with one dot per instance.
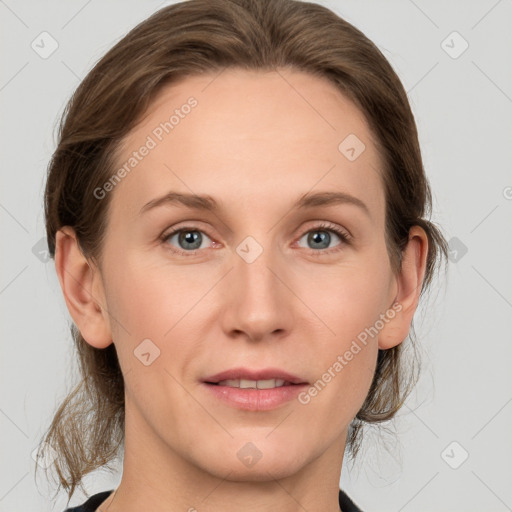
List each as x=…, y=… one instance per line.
x=463, y=108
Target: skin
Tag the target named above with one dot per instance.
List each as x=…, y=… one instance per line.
x=256, y=142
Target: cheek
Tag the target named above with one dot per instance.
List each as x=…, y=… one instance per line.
x=160, y=303
x=351, y=306
x=147, y=295
x=347, y=358
x=350, y=298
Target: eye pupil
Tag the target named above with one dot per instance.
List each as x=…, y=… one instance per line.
x=189, y=237
x=319, y=237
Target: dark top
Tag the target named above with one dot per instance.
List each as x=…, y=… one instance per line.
x=346, y=504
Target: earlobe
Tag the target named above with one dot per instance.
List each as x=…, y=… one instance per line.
x=409, y=283
x=82, y=289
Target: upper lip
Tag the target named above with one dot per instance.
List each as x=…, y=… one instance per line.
x=249, y=374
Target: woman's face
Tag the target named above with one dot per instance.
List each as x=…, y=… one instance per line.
x=257, y=283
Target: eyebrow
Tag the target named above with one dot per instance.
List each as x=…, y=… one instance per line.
x=208, y=203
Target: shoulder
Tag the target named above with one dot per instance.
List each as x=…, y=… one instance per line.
x=346, y=503
x=92, y=503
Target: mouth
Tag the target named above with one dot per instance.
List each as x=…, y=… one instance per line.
x=253, y=384
x=246, y=378
x=254, y=390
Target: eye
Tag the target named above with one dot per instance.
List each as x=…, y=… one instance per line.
x=320, y=238
x=188, y=239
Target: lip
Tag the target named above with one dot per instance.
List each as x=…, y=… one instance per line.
x=262, y=374
x=255, y=399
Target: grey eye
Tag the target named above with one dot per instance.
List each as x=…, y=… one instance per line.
x=319, y=238
x=188, y=239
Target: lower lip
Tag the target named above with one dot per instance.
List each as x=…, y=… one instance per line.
x=255, y=399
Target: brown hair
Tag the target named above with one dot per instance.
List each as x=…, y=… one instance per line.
x=200, y=36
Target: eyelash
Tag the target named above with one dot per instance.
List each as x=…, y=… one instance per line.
x=343, y=235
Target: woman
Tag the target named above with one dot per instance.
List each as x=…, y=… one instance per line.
x=237, y=211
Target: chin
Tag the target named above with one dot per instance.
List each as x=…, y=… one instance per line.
x=258, y=461
x=261, y=472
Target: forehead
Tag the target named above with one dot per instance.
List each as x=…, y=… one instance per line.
x=250, y=135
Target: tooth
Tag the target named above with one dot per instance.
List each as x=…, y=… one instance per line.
x=252, y=384
x=244, y=383
x=266, y=384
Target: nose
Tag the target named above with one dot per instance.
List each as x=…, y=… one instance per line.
x=259, y=303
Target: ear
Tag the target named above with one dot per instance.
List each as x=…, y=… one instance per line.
x=409, y=281
x=83, y=289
